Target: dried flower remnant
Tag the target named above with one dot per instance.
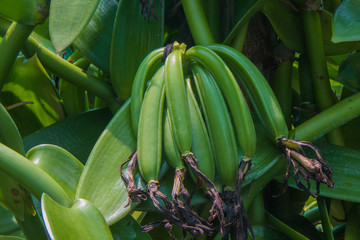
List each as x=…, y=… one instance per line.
x=316, y=168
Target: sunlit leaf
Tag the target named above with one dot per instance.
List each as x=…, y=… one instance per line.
x=346, y=25
x=82, y=221
x=100, y=181
x=59, y=164
x=67, y=19
x=30, y=12
x=28, y=85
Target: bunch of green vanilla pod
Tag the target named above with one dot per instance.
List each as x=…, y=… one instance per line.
x=188, y=108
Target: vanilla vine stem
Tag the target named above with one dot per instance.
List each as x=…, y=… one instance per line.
x=62, y=68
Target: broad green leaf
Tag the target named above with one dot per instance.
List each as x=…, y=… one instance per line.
x=82, y=221
x=7, y=221
x=95, y=39
x=76, y=134
x=128, y=229
x=58, y=163
x=28, y=82
x=345, y=163
x=330, y=47
x=346, y=25
x=287, y=24
x=67, y=19
x=100, y=181
x=133, y=38
x=349, y=72
x=30, y=12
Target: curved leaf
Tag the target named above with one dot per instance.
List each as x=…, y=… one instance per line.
x=346, y=25
x=95, y=39
x=67, y=19
x=100, y=181
x=82, y=221
x=76, y=134
x=63, y=167
x=28, y=82
x=133, y=38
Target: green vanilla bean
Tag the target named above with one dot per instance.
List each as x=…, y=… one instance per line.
x=327, y=120
x=10, y=46
x=30, y=176
x=281, y=84
x=325, y=220
x=324, y=97
x=196, y=18
x=285, y=229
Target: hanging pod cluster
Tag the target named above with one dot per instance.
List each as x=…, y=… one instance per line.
x=187, y=108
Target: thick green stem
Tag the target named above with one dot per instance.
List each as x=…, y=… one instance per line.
x=285, y=229
x=324, y=96
x=10, y=47
x=329, y=119
x=256, y=212
x=68, y=71
x=197, y=21
x=30, y=176
x=325, y=220
x=212, y=10
x=281, y=84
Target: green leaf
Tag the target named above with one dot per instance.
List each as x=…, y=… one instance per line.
x=33, y=178
x=346, y=25
x=133, y=38
x=345, y=163
x=95, y=39
x=63, y=167
x=100, y=181
x=29, y=82
x=7, y=221
x=128, y=229
x=82, y=221
x=349, y=72
x=330, y=47
x=67, y=19
x=76, y=134
x=30, y=12
x=286, y=22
